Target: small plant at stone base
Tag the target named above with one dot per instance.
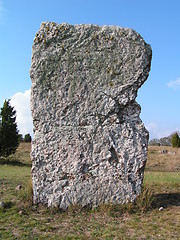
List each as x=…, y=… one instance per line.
x=115, y=210
x=145, y=200
x=142, y=203
x=120, y=209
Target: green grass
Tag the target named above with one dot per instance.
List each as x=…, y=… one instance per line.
x=143, y=220
x=14, y=172
x=162, y=178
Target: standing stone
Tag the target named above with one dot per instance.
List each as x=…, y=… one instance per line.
x=89, y=146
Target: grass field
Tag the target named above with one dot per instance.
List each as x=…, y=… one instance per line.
x=19, y=219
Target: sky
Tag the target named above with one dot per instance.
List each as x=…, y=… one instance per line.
x=158, y=22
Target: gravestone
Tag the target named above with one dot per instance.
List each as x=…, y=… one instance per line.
x=90, y=145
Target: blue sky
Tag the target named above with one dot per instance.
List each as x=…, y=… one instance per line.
x=158, y=21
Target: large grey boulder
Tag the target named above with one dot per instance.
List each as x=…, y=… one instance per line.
x=89, y=146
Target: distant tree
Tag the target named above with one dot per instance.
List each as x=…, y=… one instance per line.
x=175, y=140
x=9, y=138
x=27, y=138
x=165, y=141
x=20, y=137
x=154, y=142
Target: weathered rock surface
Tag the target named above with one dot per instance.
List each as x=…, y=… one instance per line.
x=89, y=146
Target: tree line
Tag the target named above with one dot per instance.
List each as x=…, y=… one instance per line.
x=172, y=140
x=9, y=134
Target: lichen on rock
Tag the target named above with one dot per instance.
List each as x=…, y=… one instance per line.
x=90, y=145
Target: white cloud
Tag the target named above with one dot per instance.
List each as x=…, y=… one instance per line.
x=174, y=84
x=153, y=130
x=21, y=103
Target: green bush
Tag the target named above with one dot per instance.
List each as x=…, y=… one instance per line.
x=175, y=140
x=27, y=138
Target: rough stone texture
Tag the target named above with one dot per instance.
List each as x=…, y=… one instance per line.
x=89, y=146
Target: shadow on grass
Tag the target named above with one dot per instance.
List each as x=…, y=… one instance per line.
x=13, y=162
x=166, y=199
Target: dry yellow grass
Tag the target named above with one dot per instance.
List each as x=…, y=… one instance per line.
x=23, y=153
x=159, y=161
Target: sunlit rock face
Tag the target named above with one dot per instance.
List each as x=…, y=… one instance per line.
x=89, y=146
